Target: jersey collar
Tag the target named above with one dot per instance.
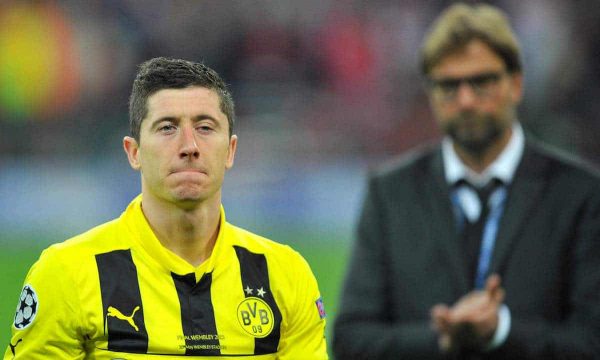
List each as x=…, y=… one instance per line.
x=151, y=249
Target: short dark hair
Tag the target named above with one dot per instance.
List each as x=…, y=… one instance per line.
x=165, y=73
x=459, y=24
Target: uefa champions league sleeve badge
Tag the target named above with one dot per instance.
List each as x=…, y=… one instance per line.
x=27, y=308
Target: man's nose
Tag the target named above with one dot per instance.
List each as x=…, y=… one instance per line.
x=465, y=95
x=189, y=145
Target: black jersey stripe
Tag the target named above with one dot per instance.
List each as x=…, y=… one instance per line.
x=255, y=274
x=197, y=314
x=122, y=302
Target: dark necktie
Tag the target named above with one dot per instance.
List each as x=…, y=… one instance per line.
x=473, y=231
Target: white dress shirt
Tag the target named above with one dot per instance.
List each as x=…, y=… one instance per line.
x=502, y=168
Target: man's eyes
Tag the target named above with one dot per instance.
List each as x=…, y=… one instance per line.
x=483, y=80
x=475, y=81
x=448, y=85
x=172, y=127
x=164, y=128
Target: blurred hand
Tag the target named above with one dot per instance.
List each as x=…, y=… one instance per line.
x=472, y=321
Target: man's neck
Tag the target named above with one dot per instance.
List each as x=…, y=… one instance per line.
x=480, y=161
x=190, y=233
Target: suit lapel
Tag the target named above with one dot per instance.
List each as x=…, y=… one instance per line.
x=443, y=224
x=523, y=194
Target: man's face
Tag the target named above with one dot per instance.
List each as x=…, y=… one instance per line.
x=473, y=97
x=184, y=148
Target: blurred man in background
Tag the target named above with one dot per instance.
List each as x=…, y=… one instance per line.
x=485, y=246
x=171, y=277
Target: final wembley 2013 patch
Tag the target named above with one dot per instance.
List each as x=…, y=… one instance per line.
x=321, y=308
x=27, y=308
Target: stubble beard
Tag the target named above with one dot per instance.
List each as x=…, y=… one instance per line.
x=188, y=196
x=473, y=133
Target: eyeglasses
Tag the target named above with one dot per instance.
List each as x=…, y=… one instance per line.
x=482, y=85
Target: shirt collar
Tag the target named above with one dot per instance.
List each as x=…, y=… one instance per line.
x=160, y=255
x=503, y=167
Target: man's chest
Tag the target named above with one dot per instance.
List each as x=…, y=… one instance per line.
x=137, y=310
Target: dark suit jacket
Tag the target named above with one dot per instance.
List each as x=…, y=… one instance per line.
x=407, y=258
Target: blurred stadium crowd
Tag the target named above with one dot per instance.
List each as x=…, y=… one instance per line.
x=324, y=89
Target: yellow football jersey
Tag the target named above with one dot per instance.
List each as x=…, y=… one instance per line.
x=115, y=292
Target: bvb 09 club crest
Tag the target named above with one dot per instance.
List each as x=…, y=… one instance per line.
x=255, y=316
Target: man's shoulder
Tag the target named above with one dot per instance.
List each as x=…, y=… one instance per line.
x=74, y=257
x=256, y=243
x=563, y=164
x=275, y=253
x=415, y=162
x=99, y=239
x=287, y=267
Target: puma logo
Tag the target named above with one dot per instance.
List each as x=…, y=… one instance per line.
x=114, y=312
x=12, y=347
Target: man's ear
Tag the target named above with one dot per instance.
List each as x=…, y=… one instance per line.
x=131, y=147
x=517, y=87
x=231, y=152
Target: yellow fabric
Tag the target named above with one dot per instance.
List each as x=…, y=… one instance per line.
x=69, y=321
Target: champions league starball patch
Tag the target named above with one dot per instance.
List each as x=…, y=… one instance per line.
x=27, y=308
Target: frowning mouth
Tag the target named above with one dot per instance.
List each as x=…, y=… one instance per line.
x=188, y=171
